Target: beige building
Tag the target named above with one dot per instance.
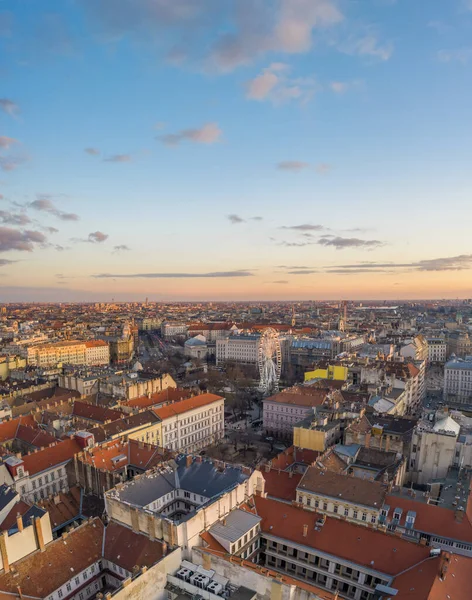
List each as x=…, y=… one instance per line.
x=342, y=496
x=433, y=450
x=91, y=353
x=237, y=348
x=458, y=381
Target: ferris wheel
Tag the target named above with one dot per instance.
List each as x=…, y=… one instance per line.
x=270, y=360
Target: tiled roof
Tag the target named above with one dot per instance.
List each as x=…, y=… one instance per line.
x=35, y=437
x=294, y=455
x=10, y=520
x=41, y=573
x=361, y=545
x=178, y=408
x=8, y=429
x=128, y=549
x=432, y=519
x=92, y=412
x=63, y=508
x=281, y=484
x=95, y=343
x=168, y=395
x=425, y=583
x=49, y=457
x=121, y=426
x=343, y=487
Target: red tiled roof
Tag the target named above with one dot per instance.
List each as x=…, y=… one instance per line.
x=63, y=508
x=128, y=549
x=425, y=583
x=49, y=457
x=41, y=573
x=168, y=395
x=10, y=520
x=92, y=412
x=281, y=484
x=433, y=519
x=294, y=455
x=95, y=343
x=35, y=437
x=178, y=408
x=8, y=429
x=362, y=545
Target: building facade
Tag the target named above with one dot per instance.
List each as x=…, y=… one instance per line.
x=458, y=381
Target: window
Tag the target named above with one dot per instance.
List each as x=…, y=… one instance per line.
x=325, y=506
x=40, y=481
x=60, y=593
x=84, y=576
x=335, y=508
x=92, y=569
x=346, y=512
x=68, y=587
x=77, y=581
x=354, y=514
x=34, y=485
x=373, y=519
x=364, y=516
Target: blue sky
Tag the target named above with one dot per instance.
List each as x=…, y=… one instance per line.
x=247, y=150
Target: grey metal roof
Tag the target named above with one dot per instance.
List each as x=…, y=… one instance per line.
x=7, y=494
x=319, y=344
x=141, y=491
x=235, y=525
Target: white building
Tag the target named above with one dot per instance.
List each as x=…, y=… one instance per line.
x=192, y=424
x=237, y=348
x=458, y=380
x=171, y=328
x=437, y=350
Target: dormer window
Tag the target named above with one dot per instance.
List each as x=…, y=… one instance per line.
x=20, y=472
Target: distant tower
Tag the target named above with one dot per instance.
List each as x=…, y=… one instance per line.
x=459, y=318
x=293, y=316
x=343, y=316
x=126, y=332
x=147, y=301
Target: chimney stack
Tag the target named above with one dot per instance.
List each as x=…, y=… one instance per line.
x=19, y=522
x=188, y=460
x=459, y=515
x=305, y=530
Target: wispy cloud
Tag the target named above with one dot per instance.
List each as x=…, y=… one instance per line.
x=340, y=243
x=97, y=237
x=6, y=142
x=292, y=165
x=118, y=158
x=9, y=218
x=5, y=262
x=303, y=272
x=461, y=262
x=292, y=244
x=368, y=46
x=235, y=219
x=280, y=281
x=24, y=241
x=121, y=248
x=303, y=227
x=276, y=85
x=209, y=133
x=460, y=55
x=92, y=151
x=11, y=163
x=216, y=274
x=8, y=106
x=43, y=203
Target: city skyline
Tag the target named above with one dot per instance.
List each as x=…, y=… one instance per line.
x=286, y=150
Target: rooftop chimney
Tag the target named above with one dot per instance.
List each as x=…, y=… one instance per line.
x=305, y=530
x=19, y=522
x=459, y=515
x=188, y=460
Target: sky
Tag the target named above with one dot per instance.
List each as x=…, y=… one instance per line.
x=235, y=149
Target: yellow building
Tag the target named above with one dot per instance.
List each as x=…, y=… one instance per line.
x=7, y=363
x=316, y=435
x=334, y=372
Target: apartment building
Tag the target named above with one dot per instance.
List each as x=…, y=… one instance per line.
x=459, y=343
x=437, y=350
x=171, y=329
x=354, y=499
x=91, y=353
x=283, y=411
x=212, y=331
x=192, y=424
x=458, y=381
x=237, y=348
x=41, y=474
